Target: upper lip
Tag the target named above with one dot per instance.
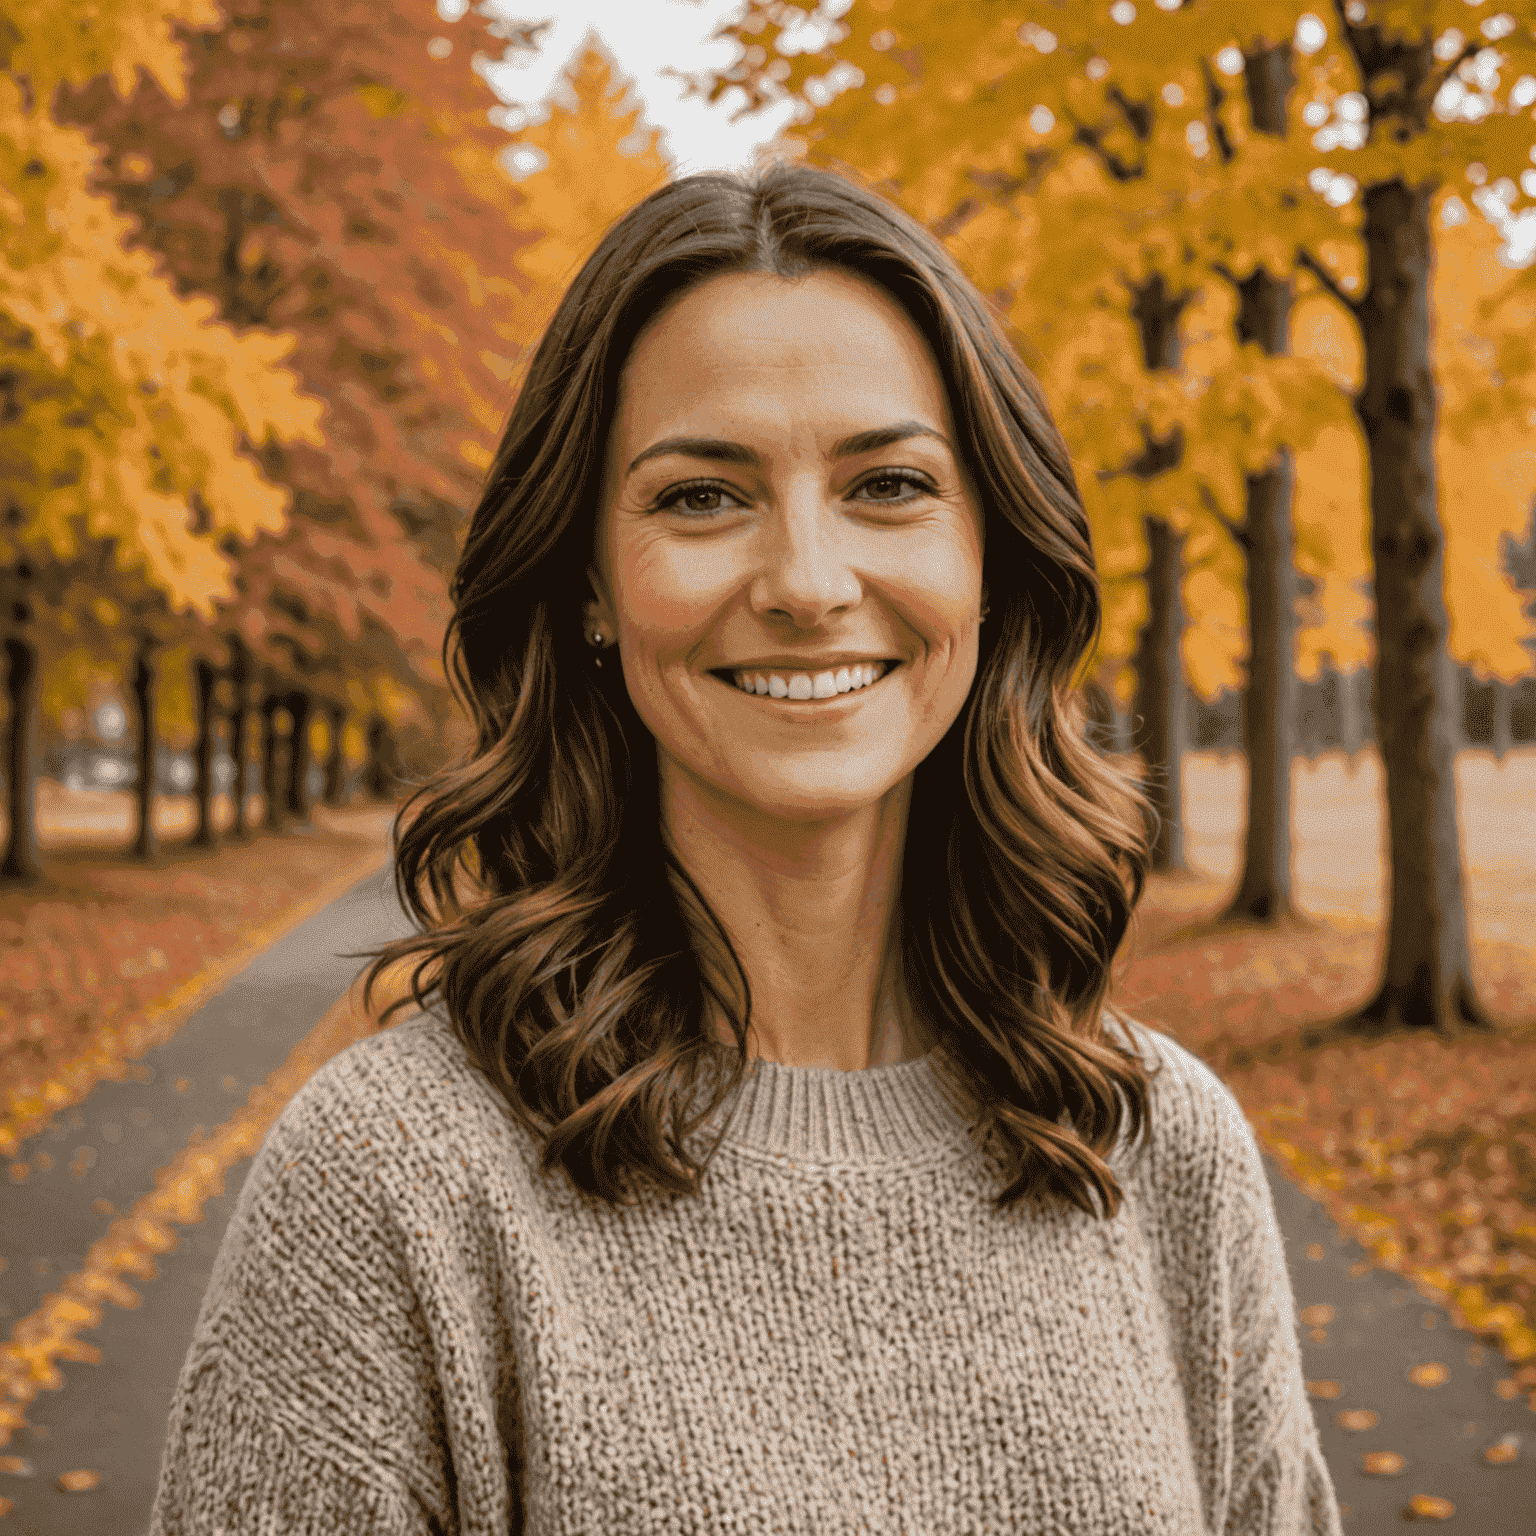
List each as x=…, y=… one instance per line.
x=804, y=663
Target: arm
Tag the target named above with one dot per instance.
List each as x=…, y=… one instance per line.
x=309, y=1399
x=227, y=1471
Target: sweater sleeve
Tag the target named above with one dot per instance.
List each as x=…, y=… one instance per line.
x=227, y=1471
x=1281, y=1483
x=312, y=1397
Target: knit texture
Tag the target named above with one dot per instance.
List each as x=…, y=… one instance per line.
x=407, y=1330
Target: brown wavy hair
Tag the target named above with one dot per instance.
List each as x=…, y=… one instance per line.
x=571, y=950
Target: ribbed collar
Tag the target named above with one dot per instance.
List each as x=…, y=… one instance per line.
x=822, y=1115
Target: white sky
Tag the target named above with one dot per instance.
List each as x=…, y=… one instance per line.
x=645, y=36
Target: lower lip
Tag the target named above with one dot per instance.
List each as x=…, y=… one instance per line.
x=807, y=709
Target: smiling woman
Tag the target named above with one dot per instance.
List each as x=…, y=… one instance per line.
x=781, y=843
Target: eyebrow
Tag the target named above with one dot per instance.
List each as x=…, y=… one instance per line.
x=726, y=452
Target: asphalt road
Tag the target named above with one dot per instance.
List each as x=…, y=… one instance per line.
x=111, y=1416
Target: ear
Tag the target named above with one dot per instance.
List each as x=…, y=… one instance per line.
x=599, y=610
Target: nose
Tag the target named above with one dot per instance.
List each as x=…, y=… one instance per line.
x=806, y=570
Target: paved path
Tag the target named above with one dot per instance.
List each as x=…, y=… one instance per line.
x=111, y=1416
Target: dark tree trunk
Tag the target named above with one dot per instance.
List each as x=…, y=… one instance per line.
x=207, y=834
x=1267, y=539
x=1427, y=975
x=379, y=775
x=1161, y=698
x=1161, y=706
x=22, y=864
x=239, y=746
x=301, y=711
x=1500, y=739
x=274, y=816
x=335, y=762
x=1264, y=891
x=145, y=844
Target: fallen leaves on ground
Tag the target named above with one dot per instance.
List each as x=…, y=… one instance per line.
x=92, y=955
x=1422, y=1149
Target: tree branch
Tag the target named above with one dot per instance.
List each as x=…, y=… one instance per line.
x=1304, y=258
x=1090, y=139
x=1214, y=97
x=1469, y=51
x=1238, y=531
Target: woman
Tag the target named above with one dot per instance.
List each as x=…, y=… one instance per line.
x=781, y=824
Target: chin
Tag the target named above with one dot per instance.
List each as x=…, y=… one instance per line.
x=811, y=798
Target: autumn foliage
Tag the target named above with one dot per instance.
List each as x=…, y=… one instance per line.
x=1147, y=193
x=301, y=277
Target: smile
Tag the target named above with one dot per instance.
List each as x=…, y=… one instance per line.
x=803, y=692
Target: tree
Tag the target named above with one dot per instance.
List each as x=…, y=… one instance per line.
x=333, y=173
x=1279, y=203
x=206, y=834
x=598, y=160
x=125, y=411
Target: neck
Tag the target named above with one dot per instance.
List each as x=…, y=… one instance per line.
x=812, y=909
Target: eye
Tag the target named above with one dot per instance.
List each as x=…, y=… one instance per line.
x=699, y=498
x=886, y=484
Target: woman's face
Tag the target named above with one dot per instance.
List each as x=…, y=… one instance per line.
x=782, y=500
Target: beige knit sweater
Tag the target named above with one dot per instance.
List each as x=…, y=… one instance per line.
x=406, y=1331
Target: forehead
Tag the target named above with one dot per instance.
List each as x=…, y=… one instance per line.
x=827, y=333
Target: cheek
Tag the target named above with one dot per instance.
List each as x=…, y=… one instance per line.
x=666, y=590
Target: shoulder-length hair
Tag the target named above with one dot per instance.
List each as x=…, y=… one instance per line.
x=576, y=971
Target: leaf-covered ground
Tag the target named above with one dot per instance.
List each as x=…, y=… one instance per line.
x=1421, y=1149
x=107, y=955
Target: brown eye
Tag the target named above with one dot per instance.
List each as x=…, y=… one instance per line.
x=889, y=487
x=699, y=499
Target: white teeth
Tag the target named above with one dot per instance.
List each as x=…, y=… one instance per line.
x=805, y=685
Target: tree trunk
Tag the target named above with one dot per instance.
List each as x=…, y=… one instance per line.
x=22, y=864
x=207, y=834
x=335, y=762
x=239, y=748
x=1264, y=891
x=274, y=814
x=1161, y=698
x=301, y=711
x=379, y=775
x=1267, y=539
x=1427, y=975
x=1500, y=740
x=1351, y=724
x=1160, y=693
x=145, y=845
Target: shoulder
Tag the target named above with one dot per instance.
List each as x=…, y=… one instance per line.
x=1200, y=1150
x=396, y=1133
x=391, y=1091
